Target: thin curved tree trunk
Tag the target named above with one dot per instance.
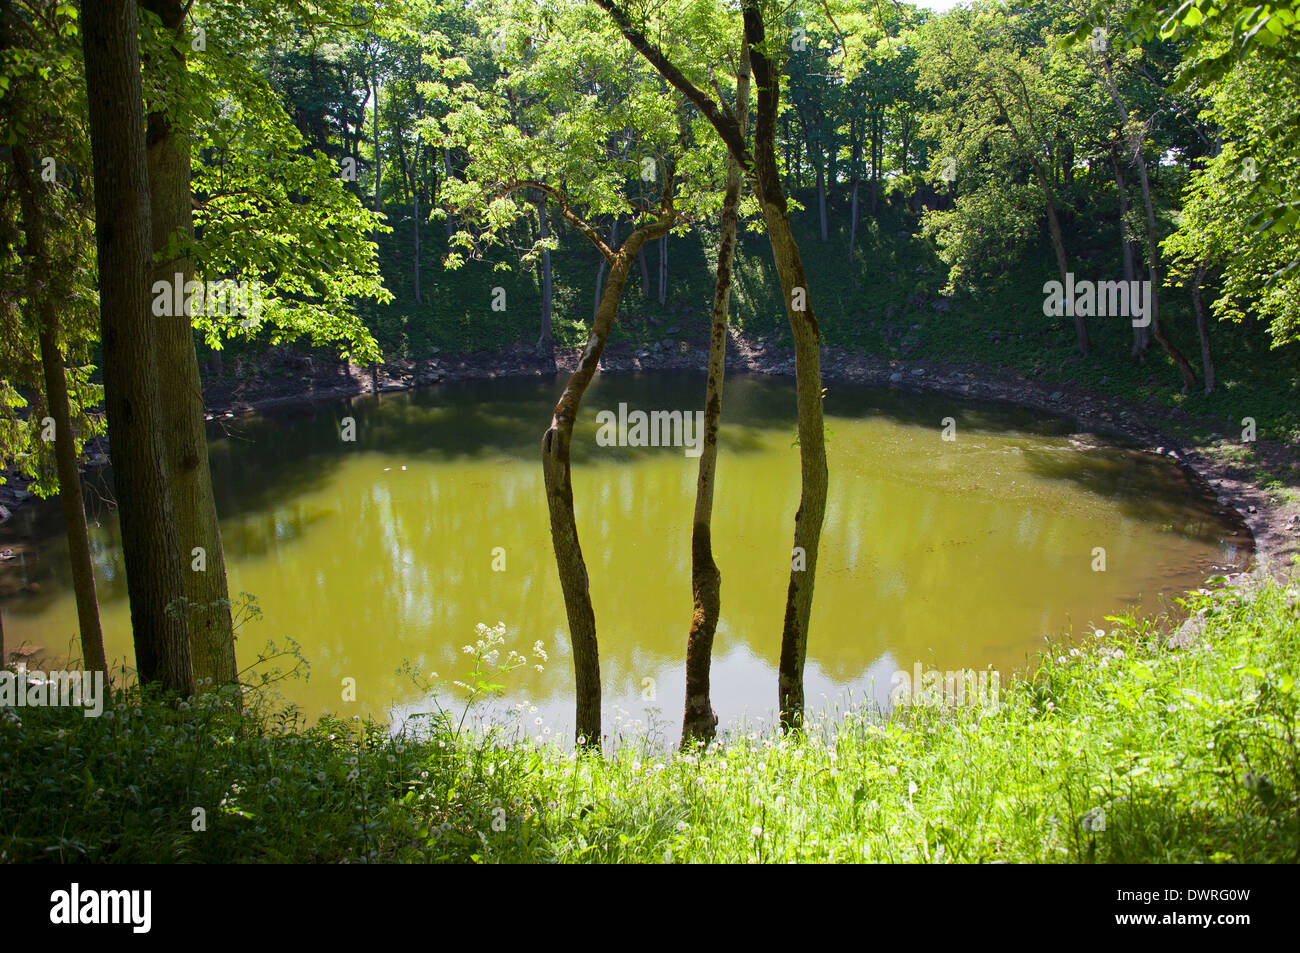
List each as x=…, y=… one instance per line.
x=699, y=720
x=1153, y=259
x=557, y=476
x=1141, y=335
x=41, y=298
x=189, y=478
x=1062, y=264
x=600, y=271
x=1202, y=329
x=808, y=379
x=545, y=337
x=155, y=582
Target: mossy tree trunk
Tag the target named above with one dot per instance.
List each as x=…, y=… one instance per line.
x=155, y=581
x=211, y=631
x=699, y=720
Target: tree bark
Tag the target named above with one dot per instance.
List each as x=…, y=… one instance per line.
x=1202, y=330
x=378, y=167
x=545, y=338
x=40, y=298
x=699, y=720
x=1062, y=264
x=1141, y=335
x=415, y=214
x=600, y=271
x=189, y=478
x=663, y=269
x=1153, y=258
x=446, y=176
x=821, y=192
x=645, y=273
x=155, y=581
x=855, y=162
x=557, y=476
x=876, y=154
x=808, y=382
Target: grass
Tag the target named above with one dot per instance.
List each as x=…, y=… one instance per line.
x=1120, y=749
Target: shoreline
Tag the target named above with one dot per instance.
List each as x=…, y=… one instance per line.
x=1274, y=523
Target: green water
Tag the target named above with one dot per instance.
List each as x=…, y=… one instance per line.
x=954, y=554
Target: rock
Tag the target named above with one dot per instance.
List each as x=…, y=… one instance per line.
x=4, y=514
x=918, y=372
x=896, y=378
x=1056, y=395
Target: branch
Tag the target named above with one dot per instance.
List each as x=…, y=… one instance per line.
x=726, y=127
x=572, y=217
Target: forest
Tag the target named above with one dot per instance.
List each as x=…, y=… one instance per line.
x=649, y=431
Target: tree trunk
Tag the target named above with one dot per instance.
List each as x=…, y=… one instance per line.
x=821, y=192
x=189, y=478
x=378, y=167
x=1153, y=257
x=544, y=340
x=41, y=299
x=1141, y=335
x=699, y=720
x=1207, y=356
x=663, y=270
x=446, y=176
x=853, y=219
x=415, y=204
x=1058, y=245
x=557, y=475
x=876, y=150
x=155, y=581
x=855, y=161
x=645, y=273
x=808, y=380
x=600, y=271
